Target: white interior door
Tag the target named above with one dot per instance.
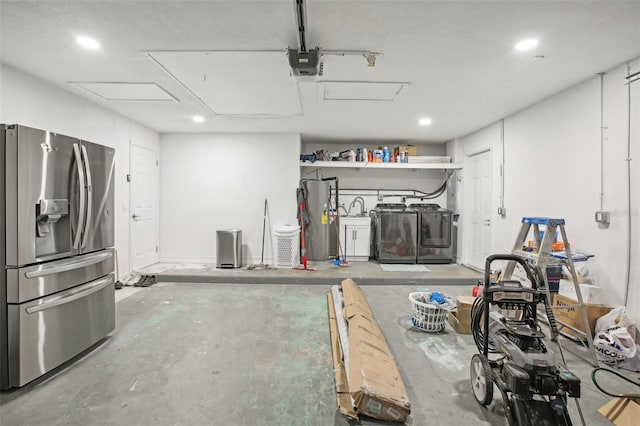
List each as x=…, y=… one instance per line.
x=144, y=207
x=479, y=199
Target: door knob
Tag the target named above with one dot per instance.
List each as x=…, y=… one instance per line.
x=135, y=216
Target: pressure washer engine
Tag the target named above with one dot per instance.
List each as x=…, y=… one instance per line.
x=504, y=323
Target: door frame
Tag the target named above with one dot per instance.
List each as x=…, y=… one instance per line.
x=132, y=203
x=467, y=234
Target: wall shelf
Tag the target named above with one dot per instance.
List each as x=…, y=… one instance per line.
x=359, y=165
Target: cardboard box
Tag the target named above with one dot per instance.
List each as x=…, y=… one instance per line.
x=621, y=411
x=460, y=319
x=422, y=159
x=410, y=149
x=367, y=378
x=340, y=374
x=589, y=292
x=568, y=314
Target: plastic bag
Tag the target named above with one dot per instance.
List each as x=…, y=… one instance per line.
x=617, y=318
x=616, y=340
x=438, y=299
x=614, y=346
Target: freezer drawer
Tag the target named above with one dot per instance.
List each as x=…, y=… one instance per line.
x=41, y=280
x=46, y=332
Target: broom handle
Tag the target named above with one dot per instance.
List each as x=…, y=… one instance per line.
x=264, y=224
x=303, y=247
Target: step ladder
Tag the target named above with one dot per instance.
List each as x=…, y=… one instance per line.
x=545, y=257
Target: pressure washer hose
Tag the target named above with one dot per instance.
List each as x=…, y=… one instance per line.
x=477, y=311
x=633, y=396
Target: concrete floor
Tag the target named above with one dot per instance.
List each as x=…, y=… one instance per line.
x=252, y=354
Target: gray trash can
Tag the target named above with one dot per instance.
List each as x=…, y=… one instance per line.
x=229, y=248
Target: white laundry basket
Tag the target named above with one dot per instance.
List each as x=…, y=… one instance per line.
x=286, y=242
x=428, y=316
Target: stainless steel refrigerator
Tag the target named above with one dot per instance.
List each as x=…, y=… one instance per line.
x=57, y=229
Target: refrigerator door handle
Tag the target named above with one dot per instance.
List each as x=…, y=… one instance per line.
x=68, y=265
x=81, y=183
x=74, y=294
x=87, y=168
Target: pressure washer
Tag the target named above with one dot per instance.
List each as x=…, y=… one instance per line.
x=513, y=354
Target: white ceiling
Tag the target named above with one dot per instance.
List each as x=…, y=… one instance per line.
x=452, y=61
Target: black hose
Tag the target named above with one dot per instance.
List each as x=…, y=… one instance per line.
x=551, y=318
x=595, y=382
x=477, y=311
x=417, y=194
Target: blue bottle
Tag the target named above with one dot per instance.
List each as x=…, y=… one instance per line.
x=386, y=155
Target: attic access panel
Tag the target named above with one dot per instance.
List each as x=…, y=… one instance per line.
x=243, y=84
x=121, y=91
x=361, y=90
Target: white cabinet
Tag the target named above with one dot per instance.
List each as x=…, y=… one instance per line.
x=355, y=238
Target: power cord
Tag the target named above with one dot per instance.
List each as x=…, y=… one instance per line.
x=634, y=396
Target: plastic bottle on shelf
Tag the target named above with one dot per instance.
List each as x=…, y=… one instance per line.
x=352, y=156
x=365, y=155
x=386, y=155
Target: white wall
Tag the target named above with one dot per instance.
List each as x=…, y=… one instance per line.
x=552, y=168
x=373, y=179
x=210, y=182
x=32, y=102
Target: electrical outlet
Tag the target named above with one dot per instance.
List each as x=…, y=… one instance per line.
x=502, y=211
x=380, y=198
x=602, y=217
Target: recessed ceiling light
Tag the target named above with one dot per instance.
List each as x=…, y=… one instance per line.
x=198, y=119
x=87, y=42
x=527, y=44
x=424, y=121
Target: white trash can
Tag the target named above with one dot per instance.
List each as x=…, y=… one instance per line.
x=286, y=242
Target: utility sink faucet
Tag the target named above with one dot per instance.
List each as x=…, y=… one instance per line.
x=353, y=203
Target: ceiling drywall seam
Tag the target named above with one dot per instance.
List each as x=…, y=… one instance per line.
x=202, y=102
x=174, y=78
